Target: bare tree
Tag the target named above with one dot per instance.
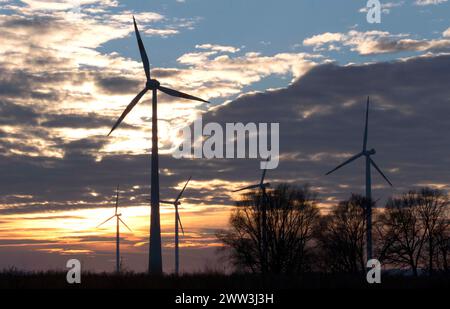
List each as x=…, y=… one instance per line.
x=414, y=230
x=403, y=235
x=341, y=236
x=442, y=253
x=432, y=208
x=291, y=216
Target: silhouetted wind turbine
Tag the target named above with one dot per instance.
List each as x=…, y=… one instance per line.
x=369, y=161
x=177, y=203
x=118, y=221
x=155, y=260
x=262, y=186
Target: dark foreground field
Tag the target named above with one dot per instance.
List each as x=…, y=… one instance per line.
x=57, y=280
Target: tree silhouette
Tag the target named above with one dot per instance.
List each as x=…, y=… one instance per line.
x=404, y=236
x=443, y=247
x=414, y=230
x=433, y=213
x=291, y=218
x=341, y=237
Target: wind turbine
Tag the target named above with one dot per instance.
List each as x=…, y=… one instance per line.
x=369, y=161
x=118, y=221
x=262, y=186
x=155, y=259
x=177, y=203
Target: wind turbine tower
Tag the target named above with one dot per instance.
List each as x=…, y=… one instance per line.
x=369, y=162
x=117, y=215
x=155, y=259
x=178, y=225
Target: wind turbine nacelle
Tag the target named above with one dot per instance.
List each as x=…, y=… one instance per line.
x=369, y=152
x=119, y=215
x=266, y=185
x=152, y=84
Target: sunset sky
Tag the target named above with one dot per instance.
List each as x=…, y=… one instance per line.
x=67, y=72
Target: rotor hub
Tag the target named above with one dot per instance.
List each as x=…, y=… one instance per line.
x=152, y=84
x=370, y=152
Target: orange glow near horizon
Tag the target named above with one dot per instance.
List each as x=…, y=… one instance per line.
x=76, y=232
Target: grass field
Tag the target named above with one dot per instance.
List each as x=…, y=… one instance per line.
x=57, y=280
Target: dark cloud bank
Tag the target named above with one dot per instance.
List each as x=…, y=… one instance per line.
x=320, y=115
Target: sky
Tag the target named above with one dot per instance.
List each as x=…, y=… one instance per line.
x=69, y=68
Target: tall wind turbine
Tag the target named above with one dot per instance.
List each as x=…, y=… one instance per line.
x=262, y=186
x=369, y=161
x=118, y=221
x=177, y=203
x=155, y=259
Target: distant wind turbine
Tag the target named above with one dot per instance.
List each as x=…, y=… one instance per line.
x=177, y=203
x=155, y=259
x=118, y=221
x=262, y=186
x=369, y=161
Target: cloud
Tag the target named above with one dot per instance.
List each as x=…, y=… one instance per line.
x=376, y=42
x=218, y=48
x=429, y=2
x=56, y=112
x=50, y=62
x=64, y=5
x=386, y=7
x=321, y=122
x=447, y=33
x=117, y=84
x=12, y=114
x=321, y=39
x=161, y=32
x=231, y=74
x=319, y=125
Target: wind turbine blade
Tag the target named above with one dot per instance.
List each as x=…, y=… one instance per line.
x=184, y=188
x=247, y=188
x=144, y=56
x=179, y=94
x=379, y=171
x=125, y=225
x=179, y=221
x=128, y=109
x=366, y=127
x=117, y=198
x=166, y=202
x=161, y=201
x=345, y=163
x=105, y=221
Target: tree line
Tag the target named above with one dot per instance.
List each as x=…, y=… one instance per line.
x=412, y=231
